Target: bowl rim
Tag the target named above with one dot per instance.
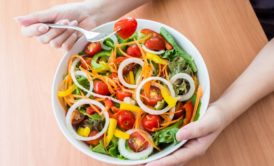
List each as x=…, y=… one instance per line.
x=205, y=104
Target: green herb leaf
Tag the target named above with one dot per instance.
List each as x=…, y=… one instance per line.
x=99, y=148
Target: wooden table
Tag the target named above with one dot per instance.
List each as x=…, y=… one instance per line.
x=228, y=35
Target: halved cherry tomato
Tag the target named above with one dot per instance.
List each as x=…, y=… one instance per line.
x=154, y=96
x=77, y=117
x=101, y=88
x=125, y=120
x=120, y=95
x=87, y=61
x=108, y=103
x=90, y=110
x=125, y=27
x=134, y=51
x=146, y=31
x=151, y=122
x=96, y=141
x=137, y=142
x=155, y=43
x=93, y=48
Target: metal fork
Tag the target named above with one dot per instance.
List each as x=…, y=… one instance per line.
x=89, y=35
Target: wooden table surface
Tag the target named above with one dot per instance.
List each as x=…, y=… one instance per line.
x=226, y=32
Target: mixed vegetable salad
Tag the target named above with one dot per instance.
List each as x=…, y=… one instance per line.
x=128, y=96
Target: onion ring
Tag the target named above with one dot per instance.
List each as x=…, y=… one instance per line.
x=143, y=106
x=153, y=52
x=123, y=65
x=74, y=107
x=73, y=77
x=189, y=79
x=130, y=154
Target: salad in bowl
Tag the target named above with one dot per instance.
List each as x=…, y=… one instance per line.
x=123, y=100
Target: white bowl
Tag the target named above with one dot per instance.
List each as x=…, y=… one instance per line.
x=79, y=46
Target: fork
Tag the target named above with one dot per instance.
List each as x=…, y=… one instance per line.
x=89, y=35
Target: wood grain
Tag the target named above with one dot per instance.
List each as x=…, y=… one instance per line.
x=228, y=35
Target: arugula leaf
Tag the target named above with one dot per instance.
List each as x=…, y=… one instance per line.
x=167, y=135
x=99, y=148
x=113, y=147
x=95, y=116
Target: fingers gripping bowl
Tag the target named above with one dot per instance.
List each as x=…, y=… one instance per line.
x=103, y=106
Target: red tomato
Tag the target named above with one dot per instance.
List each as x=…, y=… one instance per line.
x=155, y=43
x=87, y=61
x=96, y=141
x=93, y=48
x=125, y=120
x=134, y=51
x=101, y=88
x=90, y=110
x=154, y=96
x=120, y=95
x=108, y=103
x=151, y=122
x=125, y=27
x=137, y=142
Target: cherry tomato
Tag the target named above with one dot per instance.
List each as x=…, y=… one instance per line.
x=155, y=43
x=125, y=27
x=77, y=117
x=93, y=48
x=120, y=95
x=96, y=141
x=87, y=61
x=108, y=103
x=151, y=122
x=125, y=120
x=101, y=88
x=134, y=51
x=154, y=96
x=90, y=110
x=137, y=142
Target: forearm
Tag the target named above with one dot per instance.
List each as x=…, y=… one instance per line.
x=256, y=82
x=113, y=9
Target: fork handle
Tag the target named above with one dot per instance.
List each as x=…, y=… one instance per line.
x=67, y=27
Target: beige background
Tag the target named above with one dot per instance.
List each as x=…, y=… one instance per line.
x=226, y=32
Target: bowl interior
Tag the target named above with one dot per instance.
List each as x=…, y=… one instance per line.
x=108, y=27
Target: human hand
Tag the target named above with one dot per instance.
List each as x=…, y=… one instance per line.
x=200, y=134
x=84, y=14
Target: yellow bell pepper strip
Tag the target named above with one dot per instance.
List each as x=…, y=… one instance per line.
x=131, y=77
x=111, y=130
x=130, y=107
x=120, y=134
x=67, y=92
x=83, y=131
x=171, y=101
x=155, y=58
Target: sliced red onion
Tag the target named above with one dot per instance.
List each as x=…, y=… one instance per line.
x=153, y=52
x=143, y=106
x=130, y=154
x=121, y=68
x=189, y=79
x=78, y=104
x=73, y=77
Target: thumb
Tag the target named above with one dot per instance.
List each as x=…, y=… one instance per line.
x=37, y=17
x=200, y=128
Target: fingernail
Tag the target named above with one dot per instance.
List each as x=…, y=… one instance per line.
x=74, y=22
x=43, y=28
x=182, y=134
